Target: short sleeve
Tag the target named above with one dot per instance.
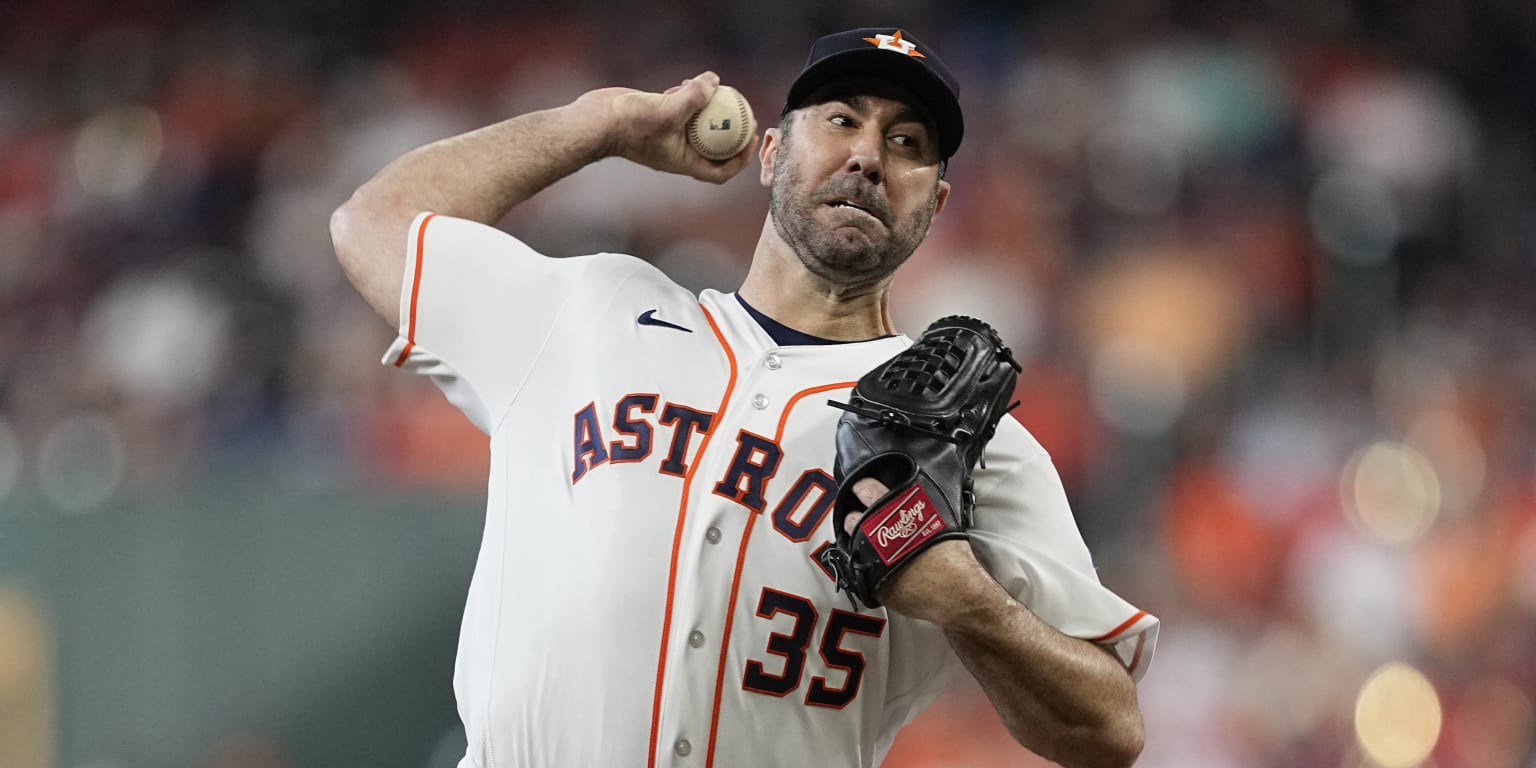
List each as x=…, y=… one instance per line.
x=478, y=307
x=1027, y=539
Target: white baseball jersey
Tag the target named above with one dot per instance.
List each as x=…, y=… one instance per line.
x=647, y=591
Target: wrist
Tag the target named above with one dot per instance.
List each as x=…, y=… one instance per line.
x=946, y=586
x=596, y=128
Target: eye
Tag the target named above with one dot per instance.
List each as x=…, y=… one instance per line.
x=841, y=120
x=908, y=142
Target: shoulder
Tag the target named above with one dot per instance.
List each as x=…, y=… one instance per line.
x=626, y=269
x=453, y=238
x=1011, y=451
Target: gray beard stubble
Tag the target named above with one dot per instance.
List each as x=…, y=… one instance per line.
x=825, y=255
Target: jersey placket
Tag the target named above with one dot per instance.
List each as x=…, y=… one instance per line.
x=757, y=416
x=718, y=529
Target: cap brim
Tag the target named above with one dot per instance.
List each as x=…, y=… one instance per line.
x=903, y=71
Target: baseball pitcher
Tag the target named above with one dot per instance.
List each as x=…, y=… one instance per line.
x=759, y=528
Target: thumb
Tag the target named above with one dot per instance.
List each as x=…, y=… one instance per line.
x=693, y=93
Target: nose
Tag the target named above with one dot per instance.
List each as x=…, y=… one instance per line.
x=865, y=155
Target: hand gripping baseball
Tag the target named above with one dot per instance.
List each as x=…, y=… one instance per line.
x=917, y=424
x=650, y=128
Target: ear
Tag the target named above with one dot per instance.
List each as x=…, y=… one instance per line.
x=938, y=204
x=766, y=152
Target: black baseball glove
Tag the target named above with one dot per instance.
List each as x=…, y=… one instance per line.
x=918, y=424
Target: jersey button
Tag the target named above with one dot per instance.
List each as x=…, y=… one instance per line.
x=773, y=362
x=759, y=401
x=713, y=535
x=696, y=639
x=682, y=747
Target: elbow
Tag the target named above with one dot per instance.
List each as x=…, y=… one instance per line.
x=369, y=228
x=1122, y=748
x=355, y=226
x=341, y=232
x=1115, y=742
x=368, y=237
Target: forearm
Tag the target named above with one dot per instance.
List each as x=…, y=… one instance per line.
x=478, y=175
x=483, y=174
x=1061, y=697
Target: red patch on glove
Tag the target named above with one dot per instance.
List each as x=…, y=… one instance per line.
x=902, y=524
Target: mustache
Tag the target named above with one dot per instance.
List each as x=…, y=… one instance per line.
x=860, y=192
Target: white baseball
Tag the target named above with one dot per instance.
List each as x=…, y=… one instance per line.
x=724, y=126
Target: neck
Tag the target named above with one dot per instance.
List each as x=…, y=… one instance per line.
x=779, y=286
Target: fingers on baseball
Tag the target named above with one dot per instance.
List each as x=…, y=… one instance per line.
x=721, y=171
x=693, y=93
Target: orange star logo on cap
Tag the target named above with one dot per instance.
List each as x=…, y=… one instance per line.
x=895, y=43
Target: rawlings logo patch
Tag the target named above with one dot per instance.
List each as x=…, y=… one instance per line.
x=902, y=525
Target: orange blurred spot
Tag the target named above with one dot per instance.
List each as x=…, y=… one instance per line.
x=1224, y=554
x=1054, y=407
x=960, y=730
x=1466, y=569
x=424, y=441
x=1185, y=303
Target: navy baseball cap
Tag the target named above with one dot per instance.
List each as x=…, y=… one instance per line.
x=888, y=54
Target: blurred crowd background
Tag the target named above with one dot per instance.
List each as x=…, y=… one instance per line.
x=1270, y=266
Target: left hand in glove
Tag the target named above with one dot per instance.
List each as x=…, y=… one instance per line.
x=915, y=427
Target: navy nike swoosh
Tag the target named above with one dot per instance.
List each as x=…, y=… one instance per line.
x=648, y=317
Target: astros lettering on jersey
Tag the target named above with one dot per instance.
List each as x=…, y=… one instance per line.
x=647, y=590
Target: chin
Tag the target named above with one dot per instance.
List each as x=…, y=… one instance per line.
x=845, y=265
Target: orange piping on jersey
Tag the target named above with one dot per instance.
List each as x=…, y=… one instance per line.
x=725, y=636
x=410, y=328
x=741, y=559
x=405, y=352
x=677, y=538
x=1117, y=630
x=784, y=417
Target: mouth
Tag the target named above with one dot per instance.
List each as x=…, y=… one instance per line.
x=850, y=205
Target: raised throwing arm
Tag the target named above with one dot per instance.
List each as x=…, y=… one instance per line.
x=483, y=174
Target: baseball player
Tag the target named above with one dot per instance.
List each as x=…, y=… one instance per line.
x=653, y=587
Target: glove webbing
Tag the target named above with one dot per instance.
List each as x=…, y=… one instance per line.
x=928, y=367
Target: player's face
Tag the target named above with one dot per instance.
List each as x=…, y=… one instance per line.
x=854, y=181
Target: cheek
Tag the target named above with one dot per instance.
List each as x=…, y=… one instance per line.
x=814, y=162
x=918, y=190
